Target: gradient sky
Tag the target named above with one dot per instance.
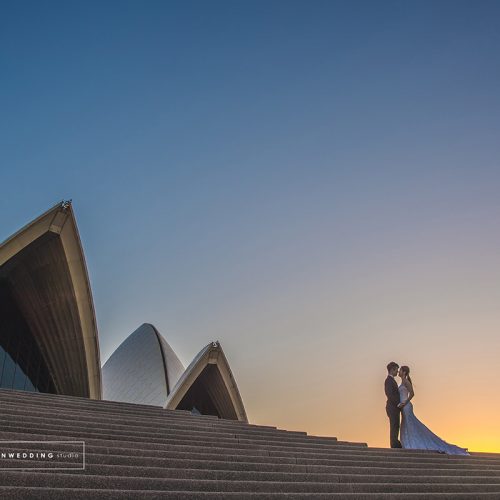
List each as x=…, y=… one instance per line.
x=316, y=184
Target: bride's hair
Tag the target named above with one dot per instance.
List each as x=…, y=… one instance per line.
x=406, y=370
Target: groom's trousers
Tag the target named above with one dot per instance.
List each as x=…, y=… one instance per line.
x=394, y=419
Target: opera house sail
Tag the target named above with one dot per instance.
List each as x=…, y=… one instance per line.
x=144, y=369
x=48, y=331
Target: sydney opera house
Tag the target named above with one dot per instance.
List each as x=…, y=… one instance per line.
x=143, y=425
x=49, y=341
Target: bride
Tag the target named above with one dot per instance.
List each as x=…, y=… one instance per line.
x=414, y=434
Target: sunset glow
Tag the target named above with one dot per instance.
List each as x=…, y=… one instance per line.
x=314, y=184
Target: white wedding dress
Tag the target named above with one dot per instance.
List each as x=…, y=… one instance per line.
x=416, y=436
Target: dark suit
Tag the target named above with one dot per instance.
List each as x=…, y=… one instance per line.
x=393, y=412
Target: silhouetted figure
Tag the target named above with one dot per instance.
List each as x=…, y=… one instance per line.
x=392, y=406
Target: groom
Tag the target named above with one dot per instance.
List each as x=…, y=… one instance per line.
x=392, y=407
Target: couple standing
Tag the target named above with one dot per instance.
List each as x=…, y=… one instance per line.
x=414, y=434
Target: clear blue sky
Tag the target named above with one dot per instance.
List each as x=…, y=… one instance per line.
x=320, y=176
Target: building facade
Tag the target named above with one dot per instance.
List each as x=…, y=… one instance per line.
x=48, y=331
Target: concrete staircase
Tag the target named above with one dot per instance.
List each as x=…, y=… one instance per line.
x=139, y=451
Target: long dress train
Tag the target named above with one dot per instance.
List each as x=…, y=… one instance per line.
x=416, y=436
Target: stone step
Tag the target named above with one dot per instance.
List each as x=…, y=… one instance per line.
x=114, y=408
x=159, y=415
x=256, y=472
x=85, y=481
x=243, y=451
x=148, y=429
x=27, y=493
x=95, y=455
x=158, y=422
x=238, y=462
x=42, y=398
x=141, y=451
x=111, y=408
x=51, y=402
x=187, y=437
x=31, y=433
